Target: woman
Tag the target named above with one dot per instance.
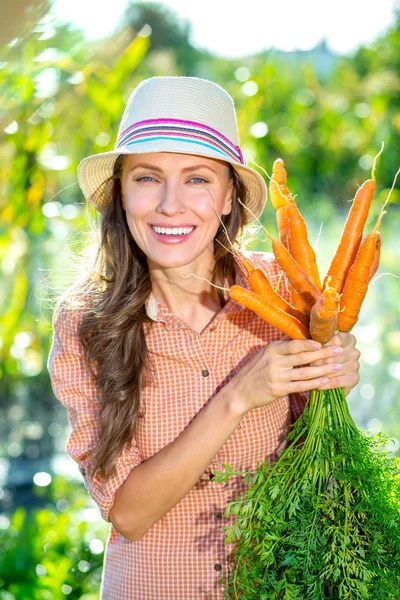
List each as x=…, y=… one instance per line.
x=164, y=377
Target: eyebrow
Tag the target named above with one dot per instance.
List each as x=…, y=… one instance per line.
x=185, y=170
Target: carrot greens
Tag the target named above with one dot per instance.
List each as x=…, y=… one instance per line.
x=323, y=522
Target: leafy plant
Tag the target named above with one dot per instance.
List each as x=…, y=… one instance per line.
x=54, y=552
x=323, y=522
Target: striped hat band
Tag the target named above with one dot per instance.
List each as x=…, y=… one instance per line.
x=180, y=130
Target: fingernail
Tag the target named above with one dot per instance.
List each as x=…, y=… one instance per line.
x=316, y=346
x=337, y=350
x=324, y=381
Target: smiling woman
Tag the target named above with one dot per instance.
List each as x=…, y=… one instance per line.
x=164, y=376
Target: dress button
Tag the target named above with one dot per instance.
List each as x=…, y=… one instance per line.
x=218, y=567
x=218, y=516
x=213, y=328
x=205, y=373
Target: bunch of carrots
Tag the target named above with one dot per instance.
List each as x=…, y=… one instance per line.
x=323, y=522
x=317, y=311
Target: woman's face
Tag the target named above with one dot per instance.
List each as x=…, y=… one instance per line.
x=171, y=201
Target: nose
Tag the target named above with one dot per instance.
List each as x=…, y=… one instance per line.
x=171, y=200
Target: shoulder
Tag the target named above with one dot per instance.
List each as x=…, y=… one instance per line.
x=70, y=309
x=263, y=260
x=267, y=262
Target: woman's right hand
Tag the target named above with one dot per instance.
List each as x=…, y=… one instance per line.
x=281, y=368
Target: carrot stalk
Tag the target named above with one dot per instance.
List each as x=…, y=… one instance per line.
x=276, y=317
x=324, y=316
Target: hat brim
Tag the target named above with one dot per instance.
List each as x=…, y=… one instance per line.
x=94, y=170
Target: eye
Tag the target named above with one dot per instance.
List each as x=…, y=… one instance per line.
x=199, y=179
x=145, y=177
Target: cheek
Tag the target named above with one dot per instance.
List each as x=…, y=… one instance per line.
x=207, y=208
x=137, y=207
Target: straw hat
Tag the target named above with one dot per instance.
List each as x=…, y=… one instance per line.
x=188, y=115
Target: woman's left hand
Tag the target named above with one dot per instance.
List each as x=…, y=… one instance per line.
x=347, y=377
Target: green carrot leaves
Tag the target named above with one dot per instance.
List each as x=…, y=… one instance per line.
x=323, y=522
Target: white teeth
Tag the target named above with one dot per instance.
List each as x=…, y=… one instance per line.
x=173, y=231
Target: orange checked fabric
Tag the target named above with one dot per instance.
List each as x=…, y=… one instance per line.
x=183, y=556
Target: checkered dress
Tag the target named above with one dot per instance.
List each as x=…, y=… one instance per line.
x=183, y=556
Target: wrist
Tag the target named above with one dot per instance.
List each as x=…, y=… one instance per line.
x=234, y=406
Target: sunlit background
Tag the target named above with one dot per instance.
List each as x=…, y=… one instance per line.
x=315, y=83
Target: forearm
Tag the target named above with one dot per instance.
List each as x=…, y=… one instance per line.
x=159, y=483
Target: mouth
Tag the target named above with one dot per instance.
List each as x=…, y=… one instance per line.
x=173, y=230
x=172, y=235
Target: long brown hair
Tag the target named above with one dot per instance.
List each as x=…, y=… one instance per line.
x=112, y=301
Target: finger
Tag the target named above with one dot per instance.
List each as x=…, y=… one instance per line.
x=348, y=357
x=286, y=338
x=302, y=373
x=336, y=340
x=305, y=358
x=305, y=386
x=341, y=338
x=347, y=381
x=286, y=347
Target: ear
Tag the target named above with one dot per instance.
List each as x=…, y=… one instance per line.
x=123, y=200
x=227, y=208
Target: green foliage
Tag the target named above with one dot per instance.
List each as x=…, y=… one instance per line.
x=323, y=522
x=54, y=552
x=168, y=32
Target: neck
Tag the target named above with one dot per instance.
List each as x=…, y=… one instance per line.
x=187, y=292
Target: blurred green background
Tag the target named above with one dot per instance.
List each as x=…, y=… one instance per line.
x=61, y=98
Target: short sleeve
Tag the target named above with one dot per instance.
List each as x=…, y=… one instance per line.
x=74, y=386
x=272, y=270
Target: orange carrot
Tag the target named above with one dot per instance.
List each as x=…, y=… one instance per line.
x=352, y=233
x=356, y=285
x=324, y=316
x=276, y=317
x=377, y=256
x=297, y=301
x=260, y=284
x=351, y=236
x=282, y=220
x=299, y=246
x=359, y=276
x=279, y=193
x=291, y=225
x=301, y=283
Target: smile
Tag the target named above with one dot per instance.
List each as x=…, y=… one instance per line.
x=173, y=230
x=172, y=235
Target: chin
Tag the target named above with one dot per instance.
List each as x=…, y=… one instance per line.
x=171, y=260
